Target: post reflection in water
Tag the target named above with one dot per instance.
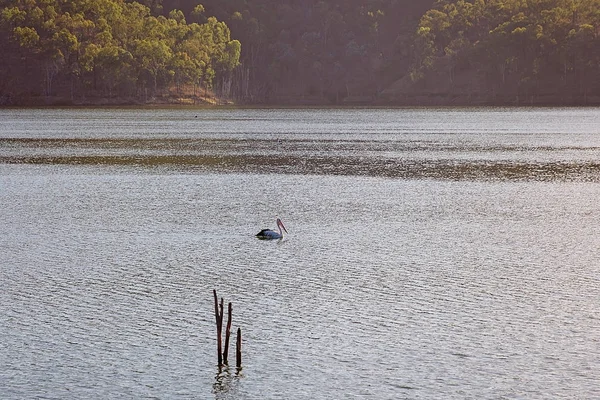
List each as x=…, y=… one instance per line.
x=226, y=383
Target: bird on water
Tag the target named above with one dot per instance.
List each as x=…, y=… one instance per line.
x=268, y=234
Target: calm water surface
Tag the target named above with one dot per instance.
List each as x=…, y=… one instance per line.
x=432, y=253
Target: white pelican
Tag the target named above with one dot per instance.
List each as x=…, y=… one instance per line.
x=271, y=234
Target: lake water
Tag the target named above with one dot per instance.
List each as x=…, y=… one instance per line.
x=432, y=253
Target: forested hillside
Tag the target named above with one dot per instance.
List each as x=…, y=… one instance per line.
x=303, y=51
x=315, y=51
x=108, y=51
x=507, y=51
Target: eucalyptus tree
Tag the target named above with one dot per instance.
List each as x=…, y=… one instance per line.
x=519, y=48
x=108, y=47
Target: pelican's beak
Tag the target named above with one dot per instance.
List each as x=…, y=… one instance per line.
x=282, y=226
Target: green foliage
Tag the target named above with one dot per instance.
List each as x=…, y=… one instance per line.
x=348, y=48
x=513, y=47
x=110, y=48
x=324, y=49
x=267, y=50
x=27, y=37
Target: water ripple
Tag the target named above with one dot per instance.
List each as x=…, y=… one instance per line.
x=477, y=282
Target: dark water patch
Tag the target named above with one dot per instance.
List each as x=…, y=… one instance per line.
x=460, y=170
x=286, y=142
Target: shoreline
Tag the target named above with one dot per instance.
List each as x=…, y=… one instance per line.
x=406, y=101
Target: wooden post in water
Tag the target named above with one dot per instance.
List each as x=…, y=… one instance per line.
x=222, y=354
x=221, y=326
x=227, y=334
x=238, y=349
x=219, y=320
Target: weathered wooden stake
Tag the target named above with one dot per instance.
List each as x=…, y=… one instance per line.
x=227, y=334
x=222, y=354
x=238, y=349
x=221, y=314
x=219, y=320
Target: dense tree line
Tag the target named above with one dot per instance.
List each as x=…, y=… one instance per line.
x=318, y=49
x=525, y=50
x=108, y=48
x=486, y=50
x=304, y=50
